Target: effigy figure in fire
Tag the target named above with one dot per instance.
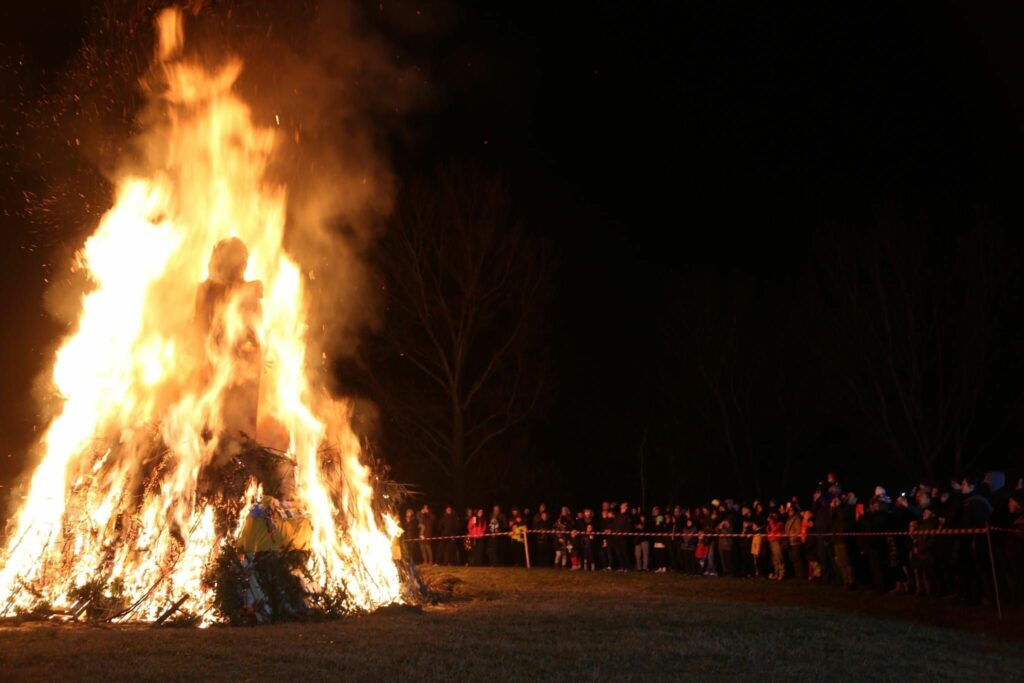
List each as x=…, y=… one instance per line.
x=229, y=312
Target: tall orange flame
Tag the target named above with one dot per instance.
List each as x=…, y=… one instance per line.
x=150, y=388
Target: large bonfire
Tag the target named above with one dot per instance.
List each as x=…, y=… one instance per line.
x=188, y=403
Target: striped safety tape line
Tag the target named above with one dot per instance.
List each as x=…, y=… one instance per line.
x=702, y=534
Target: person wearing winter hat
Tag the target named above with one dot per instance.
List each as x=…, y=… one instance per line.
x=999, y=496
x=995, y=481
x=882, y=495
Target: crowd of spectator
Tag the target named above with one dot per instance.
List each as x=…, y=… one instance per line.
x=793, y=539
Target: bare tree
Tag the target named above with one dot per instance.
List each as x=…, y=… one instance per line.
x=707, y=332
x=912, y=321
x=466, y=289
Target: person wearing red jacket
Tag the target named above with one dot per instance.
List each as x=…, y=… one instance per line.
x=476, y=528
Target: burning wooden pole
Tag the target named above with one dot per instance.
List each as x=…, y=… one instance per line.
x=171, y=610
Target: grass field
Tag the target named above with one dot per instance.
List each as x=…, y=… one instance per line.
x=516, y=624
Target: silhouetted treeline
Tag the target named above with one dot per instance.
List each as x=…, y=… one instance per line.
x=895, y=348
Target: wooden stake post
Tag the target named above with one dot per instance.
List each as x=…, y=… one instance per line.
x=992, y=562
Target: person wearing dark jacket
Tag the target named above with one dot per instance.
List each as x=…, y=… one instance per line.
x=1013, y=547
x=844, y=520
x=877, y=521
x=589, y=543
x=449, y=525
x=584, y=520
x=972, y=553
x=902, y=516
x=823, y=525
x=641, y=543
x=999, y=497
x=497, y=540
x=734, y=521
x=605, y=544
x=688, y=544
x=726, y=545
x=922, y=553
x=533, y=540
x=545, y=543
x=622, y=524
x=541, y=509
x=659, y=545
x=563, y=539
x=675, y=524
x=410, y=533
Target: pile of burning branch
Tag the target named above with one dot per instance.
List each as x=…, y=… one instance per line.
x=259, y=575
x=184, y=476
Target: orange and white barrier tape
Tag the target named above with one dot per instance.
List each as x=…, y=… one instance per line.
x=715, y=534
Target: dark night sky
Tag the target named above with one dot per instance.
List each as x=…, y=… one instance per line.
x=643, y=139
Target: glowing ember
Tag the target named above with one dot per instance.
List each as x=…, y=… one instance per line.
x=191, y=350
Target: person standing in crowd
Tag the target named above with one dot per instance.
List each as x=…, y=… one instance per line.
x=744, y=557
x=534, y=540
x=994, y=484
x=427, y=532
x=641, y=543
x=876, y=520
x=922, y=554
x=467, y=543
x=1013, y=546
x=972, y=556
x=689, y=543
x=541, y=509
x=755, y=545
x=676, y=522
x=726, y=545
x=583, y=520
x=411, y=534
x=733, y=514
x=810, y=542
x=477, y=529
x=589, y=543
x=821, y=508
x=517, y=534
x=497, y=530
x=606, y=525
x=844, y=521
x=563, y=541
x=449, y=525
x=659, y=547
x=544, y=543
x=707, y=548
x=622, y=525
x=900, y=546
x=776, y=535
x=760, y=520
x=794, y=537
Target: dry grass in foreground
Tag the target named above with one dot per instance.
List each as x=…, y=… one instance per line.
x=515, y=624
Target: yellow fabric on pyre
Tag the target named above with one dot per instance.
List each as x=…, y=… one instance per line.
x=282, y=529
